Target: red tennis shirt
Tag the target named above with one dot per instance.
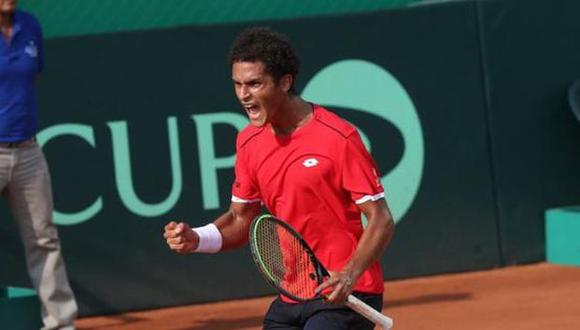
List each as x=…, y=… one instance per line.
x=313, y=179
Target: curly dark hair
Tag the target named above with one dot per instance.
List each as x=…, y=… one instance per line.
x=260, y=44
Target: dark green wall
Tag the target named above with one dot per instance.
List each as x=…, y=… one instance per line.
x=531, y=57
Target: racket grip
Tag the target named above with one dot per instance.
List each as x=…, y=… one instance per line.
x=370, y=313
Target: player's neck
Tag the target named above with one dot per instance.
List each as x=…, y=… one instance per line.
x=6, y=19
x=6, y=22
x=294, y=113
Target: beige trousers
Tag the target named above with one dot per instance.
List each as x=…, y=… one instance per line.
x=25, y=182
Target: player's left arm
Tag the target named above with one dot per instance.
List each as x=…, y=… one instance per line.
x=373, y=242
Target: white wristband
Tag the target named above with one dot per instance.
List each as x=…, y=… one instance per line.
x=210, y=238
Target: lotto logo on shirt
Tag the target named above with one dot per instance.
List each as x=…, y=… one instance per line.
x=310, y=162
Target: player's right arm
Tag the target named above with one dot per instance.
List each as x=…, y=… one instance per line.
x=233, y=227
x=230, y=230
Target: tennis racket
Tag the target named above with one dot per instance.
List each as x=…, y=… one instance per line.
x=289, y=265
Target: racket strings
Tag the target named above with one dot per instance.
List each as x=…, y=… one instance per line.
x=286, y=260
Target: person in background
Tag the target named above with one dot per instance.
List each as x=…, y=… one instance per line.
x=309, y=167
x=24, y=176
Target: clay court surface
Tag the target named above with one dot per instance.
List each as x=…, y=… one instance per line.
x=538, y=296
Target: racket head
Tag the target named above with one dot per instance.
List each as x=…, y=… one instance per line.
x=284, y=258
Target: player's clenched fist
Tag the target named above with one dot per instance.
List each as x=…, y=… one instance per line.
x=180, y=238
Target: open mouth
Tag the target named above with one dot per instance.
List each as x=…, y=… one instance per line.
x=252, y=111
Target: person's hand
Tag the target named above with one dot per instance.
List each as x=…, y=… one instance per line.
x=341, y=284
x=180, y=238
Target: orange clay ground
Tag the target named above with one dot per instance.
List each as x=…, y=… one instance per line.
x=538, y=296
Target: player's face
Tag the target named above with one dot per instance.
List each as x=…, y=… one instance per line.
x=7, y=6
x=257, y=91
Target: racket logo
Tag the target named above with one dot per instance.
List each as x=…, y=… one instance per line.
x=310, y=162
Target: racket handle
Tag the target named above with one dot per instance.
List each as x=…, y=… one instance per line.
x=370, y=313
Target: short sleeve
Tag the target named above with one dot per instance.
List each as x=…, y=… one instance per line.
x=360, y=176
x=244, y=188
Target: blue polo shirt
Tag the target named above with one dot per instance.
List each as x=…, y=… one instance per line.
x=21, y=60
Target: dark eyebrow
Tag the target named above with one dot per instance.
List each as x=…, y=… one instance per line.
x=251, y=81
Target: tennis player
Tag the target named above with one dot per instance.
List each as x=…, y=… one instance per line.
x=309, y=167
